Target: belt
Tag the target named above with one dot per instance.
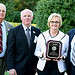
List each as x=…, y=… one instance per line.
x=1, y=57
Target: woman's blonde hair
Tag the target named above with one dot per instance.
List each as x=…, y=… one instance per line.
x=55, y=15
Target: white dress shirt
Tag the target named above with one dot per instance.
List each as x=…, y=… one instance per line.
x=4, y=38
x=73, y=50
x=26, y=28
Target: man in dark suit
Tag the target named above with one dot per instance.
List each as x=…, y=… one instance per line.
x=4, y=28
x=20, y=51
x=70, y=60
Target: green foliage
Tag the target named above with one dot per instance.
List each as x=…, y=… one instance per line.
x=11, y=14
x=22, y=4
x=15, y=6
x=3, y=1
x=66, y=8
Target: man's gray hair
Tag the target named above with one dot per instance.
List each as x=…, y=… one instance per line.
x=27, y=10
x=3, y=6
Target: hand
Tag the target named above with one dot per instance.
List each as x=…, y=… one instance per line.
x=55, y=59
x=44, y=57
x=12, y=72
x=58, y=59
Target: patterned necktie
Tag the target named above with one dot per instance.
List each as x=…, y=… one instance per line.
x=1, y=46
x=28, y=36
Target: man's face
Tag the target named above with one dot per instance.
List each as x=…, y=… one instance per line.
x=26, y=18
x=2, y=12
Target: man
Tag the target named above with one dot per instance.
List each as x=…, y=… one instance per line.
x=4, y=28
x=20, y=49
x=70, y=61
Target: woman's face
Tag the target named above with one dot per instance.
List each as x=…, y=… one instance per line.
x=54, y=23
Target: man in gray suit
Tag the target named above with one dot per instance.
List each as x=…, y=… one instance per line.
x=5, y=27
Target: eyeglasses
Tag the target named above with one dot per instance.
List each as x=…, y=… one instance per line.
x=2, y=11
x=52, y=22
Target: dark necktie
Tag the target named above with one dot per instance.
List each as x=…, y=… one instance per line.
x=1, y=46
x=28, y=36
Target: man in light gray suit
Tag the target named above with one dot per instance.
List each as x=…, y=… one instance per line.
x=5, y=27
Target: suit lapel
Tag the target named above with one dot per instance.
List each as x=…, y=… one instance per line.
x=32, y=36
x=23, y=36
x=6, y=27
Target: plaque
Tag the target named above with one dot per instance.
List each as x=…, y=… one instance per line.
x=53, y=49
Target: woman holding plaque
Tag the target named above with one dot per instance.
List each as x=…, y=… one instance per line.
x=52, y=48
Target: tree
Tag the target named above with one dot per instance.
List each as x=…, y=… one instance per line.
x=11, y=14
x=66, y=8
x=22, y=4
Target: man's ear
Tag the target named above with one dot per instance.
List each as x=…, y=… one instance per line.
x=21, y=18
x=32, y=18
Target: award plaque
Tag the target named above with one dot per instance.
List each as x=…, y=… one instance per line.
x=53, y=49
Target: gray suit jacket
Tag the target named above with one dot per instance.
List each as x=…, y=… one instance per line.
x=8, y=26
x=2, y=60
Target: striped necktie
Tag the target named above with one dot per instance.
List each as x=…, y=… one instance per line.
x=1, y=46
x=28, y=36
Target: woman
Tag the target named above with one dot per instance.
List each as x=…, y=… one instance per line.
x=48, y=66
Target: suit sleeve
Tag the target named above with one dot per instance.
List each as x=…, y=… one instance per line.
x=10, y=50
x=68, y=63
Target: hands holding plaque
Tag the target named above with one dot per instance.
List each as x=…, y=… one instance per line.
x=52, y=59
x=53, y=51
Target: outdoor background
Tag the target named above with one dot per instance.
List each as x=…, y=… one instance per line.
x=42, y=10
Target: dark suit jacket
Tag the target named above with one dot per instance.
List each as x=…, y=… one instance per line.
x=19, y=55
x=71, y=33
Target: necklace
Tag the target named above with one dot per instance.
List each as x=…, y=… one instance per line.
x=53, y=36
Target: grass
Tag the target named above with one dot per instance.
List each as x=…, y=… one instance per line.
x=16, y=24
x=6, y=73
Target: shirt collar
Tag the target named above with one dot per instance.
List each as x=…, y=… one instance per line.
x=2, y=23
x=25, y=27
